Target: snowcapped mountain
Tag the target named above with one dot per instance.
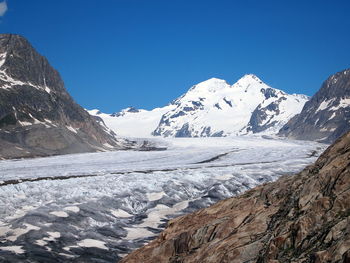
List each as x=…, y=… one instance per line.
x=212, y=108
x=327, y=115
x=215, y=108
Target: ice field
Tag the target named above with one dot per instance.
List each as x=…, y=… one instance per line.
x=97, y=207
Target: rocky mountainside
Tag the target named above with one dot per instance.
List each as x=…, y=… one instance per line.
x=327, y=115
x=301, y=218
x=37, y=115
x=213, y=108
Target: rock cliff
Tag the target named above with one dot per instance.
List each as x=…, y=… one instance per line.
x=37, y=115
x=327, y=115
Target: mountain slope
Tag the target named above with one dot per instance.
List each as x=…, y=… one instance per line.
x=212, y=108
x=132, y=122
x=327, y=115
x=37, y=115
x=301, y=218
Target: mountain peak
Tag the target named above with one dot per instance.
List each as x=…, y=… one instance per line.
x=326, y=116
x=249, y=78
x=215, y=108
x=37, y=106
x=212, y=81
x=210, y=85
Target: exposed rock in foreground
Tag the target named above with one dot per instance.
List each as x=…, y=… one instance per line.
x=301, y=218
x=327, y=115
x=37, y=115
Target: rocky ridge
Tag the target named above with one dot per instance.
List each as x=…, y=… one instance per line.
x=300, y=218
x=37, y=115
x=327, y=115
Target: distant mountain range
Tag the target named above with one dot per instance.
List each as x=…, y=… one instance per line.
x=39, y=118
x=216, y=108
x=212, y=108
x=37, y=115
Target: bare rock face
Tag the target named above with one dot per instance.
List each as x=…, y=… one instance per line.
x=301, y=218
x=37, y=115
x=327, y=115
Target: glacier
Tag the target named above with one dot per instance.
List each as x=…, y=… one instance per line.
x=97, y=207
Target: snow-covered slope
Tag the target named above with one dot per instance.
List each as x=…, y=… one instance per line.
x=131, y=122
x=215, y=108
x=212, y=108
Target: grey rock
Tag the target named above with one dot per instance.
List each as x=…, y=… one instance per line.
x=37, y=115
x=122, y=113
x=184, y=131
x=327, y=115
x=260, y=120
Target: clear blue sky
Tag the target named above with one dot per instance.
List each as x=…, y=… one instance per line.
x=118, y=53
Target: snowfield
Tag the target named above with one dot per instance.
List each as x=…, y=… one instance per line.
x=97, y=207
x=212, y=108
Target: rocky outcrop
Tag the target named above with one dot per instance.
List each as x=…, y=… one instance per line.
x=301, y=218
x=123, y=112
x=37, y=115
x=327, y=115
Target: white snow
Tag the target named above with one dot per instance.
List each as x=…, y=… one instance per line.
x=131, y=124
x=333, y=115
x=41, y=242
x=161, y=211
x=11, y=82
x=108, y=145
x=72, y=129
x=324, y=105
x=120, y=213
x=92, y=243
x=224, y=177
x=2, y=58
x=59, y=213
x=47, y=122
x=155, y=196
x=74, y=209
x=66, y=255
x=138, y=232
x=15, y=249
x=343, y=103
x=154, y=219
x=215, y=104
x=25, y=123
x=52, y=236
x=13, y=234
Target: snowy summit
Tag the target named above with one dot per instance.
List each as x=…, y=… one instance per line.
x=212, y=108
